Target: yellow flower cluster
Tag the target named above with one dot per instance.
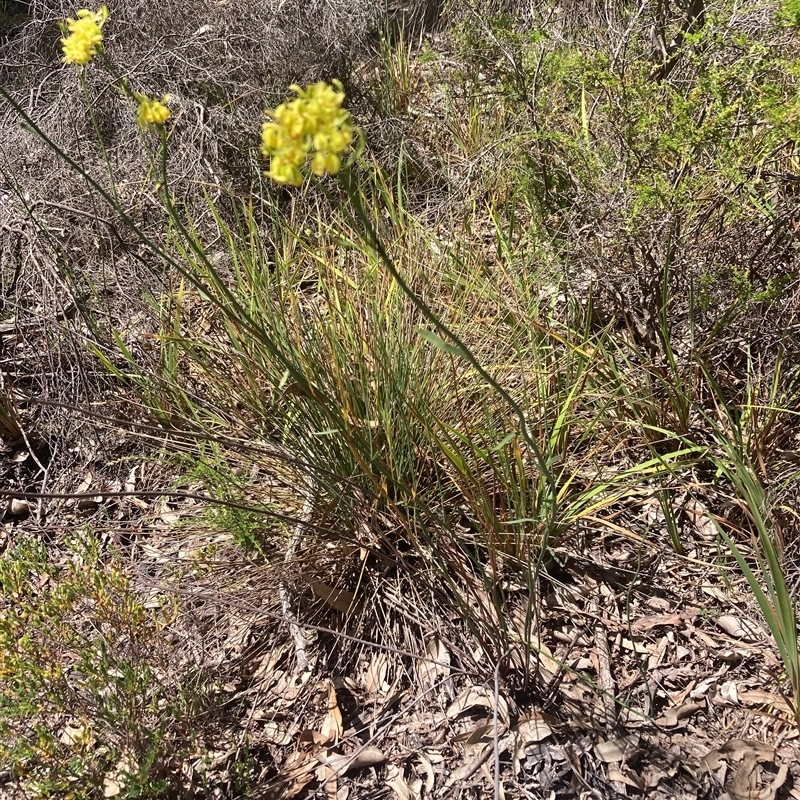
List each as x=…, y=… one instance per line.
x=84, y=37
x=311, y=126
x=152, y=112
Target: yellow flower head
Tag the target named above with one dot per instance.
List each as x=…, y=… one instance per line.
x=152, y=112
x=311, y=127
x=85, y=36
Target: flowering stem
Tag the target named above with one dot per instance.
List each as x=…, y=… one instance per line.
x=96, y=128
x=120, y=82
x=228, y=304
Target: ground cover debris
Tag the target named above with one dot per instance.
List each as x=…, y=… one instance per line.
x=404, y=405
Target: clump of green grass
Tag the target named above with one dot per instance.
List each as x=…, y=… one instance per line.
x=91, y=695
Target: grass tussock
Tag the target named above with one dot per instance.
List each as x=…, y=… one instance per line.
x=530, y=353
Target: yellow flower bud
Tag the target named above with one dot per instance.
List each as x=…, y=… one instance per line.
x=270, y=138
x=325, y=162
x=282, y=171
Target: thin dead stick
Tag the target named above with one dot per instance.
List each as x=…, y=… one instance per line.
x=500, y=660
x=605, y=676
x=286, y=605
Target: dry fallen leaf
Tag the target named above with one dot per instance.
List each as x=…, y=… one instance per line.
x=74, y=733
x=111, y=788
x=341, y=764
x=478, y=696
x=328, y=780
x=757, y=697
x=267, y=663
x=84, y=485
x=548, y=666
x=635, y=647
x=340, y=599
x=114, y=780
x=743, y=758
x=644, y=624
x=130, y=486
x=427, y=766
x=739, y=628
x=532, y=728
x=475, y=756
x=672, y=716
x=298, y=772
x=438, y=668
x=747, y=778
x=332, y=724
x=658, y=604
x=288, y=686
x=729, y=693
x=275, y=733
x=375, y=679
x=617, y=749
x=620, y=773
x=702, y=688
x=405, y=790
x=703, y=523
x=714, y=592
x=476, y=734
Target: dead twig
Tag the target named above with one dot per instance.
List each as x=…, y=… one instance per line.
x=291, y=620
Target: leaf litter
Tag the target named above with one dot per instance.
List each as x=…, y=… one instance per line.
x=686, y=670
x=681, y=681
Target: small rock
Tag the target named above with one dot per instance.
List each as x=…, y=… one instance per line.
x=19, y=508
